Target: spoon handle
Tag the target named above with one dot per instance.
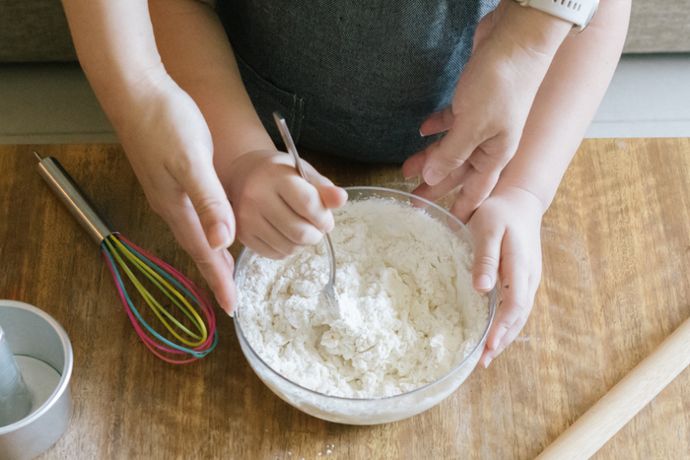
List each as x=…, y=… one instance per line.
x=292, y=150
x=289, y=143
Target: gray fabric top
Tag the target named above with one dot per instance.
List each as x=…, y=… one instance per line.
x=353, y=78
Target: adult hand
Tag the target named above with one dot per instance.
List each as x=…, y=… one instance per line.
x=513, y=49
x=506, y=229
x=277, y=211
x=170, y=149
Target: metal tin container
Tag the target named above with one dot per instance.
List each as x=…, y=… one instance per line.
x=36, y=339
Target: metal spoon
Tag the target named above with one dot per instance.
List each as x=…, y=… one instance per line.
x=328, y=290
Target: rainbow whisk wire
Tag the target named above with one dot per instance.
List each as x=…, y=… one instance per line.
x=193, y=342
x=189, y=322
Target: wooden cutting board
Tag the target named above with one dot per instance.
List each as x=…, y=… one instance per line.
x=616, y=282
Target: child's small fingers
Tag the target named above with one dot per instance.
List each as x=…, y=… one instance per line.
x=513, y=331
x=476, y=188
x=518, y=284
x=294, y=227
x=515, y=290
x=514, y=303
x=503, y=337
x=535, y=279
x=314, y=176
x=510, y=335
x=262, y=248
x=486, y=259
x=269, y=234
x=486, y=358
x=495, y=336
x=333, y=197
x=304, y=199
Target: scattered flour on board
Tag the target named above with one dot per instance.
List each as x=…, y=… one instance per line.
x=407, y=315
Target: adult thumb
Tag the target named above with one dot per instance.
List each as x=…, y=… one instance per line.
x=210, y=202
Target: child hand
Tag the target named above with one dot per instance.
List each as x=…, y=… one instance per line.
x=506, y=229
x=169, y=147
x=276, y=210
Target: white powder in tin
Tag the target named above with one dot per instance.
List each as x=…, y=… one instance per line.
x=408, y=313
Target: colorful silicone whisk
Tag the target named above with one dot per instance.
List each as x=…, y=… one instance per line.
x=186, y=316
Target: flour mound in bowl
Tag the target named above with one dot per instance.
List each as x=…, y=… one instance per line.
x=408, y=313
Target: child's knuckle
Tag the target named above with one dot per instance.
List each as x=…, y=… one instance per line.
x=487, y=261
x=300, y=234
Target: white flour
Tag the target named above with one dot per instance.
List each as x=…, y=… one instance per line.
x=408, y=313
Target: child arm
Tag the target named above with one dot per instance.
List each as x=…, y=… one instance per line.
x=507, y=237
x=276, y=210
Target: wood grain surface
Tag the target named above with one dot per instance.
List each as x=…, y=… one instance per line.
x=616, y=282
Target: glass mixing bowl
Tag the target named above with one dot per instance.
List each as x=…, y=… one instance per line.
x=369, y=411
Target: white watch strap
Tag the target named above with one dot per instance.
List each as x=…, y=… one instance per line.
x=579, y=12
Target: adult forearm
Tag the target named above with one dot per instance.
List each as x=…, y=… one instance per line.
x=197, y=54
x=116, y=48
x=567, y=101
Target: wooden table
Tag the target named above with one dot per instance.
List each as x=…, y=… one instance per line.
x=616, y=282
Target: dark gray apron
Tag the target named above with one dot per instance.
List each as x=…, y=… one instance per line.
x=353, y=78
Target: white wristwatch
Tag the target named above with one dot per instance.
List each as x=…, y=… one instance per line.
x=579, y=12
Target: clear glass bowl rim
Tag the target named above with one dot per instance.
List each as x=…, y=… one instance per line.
x=491, y=299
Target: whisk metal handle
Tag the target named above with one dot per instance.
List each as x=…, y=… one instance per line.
x=62, y=184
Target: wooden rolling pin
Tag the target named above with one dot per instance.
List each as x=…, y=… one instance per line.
x=624, y=400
